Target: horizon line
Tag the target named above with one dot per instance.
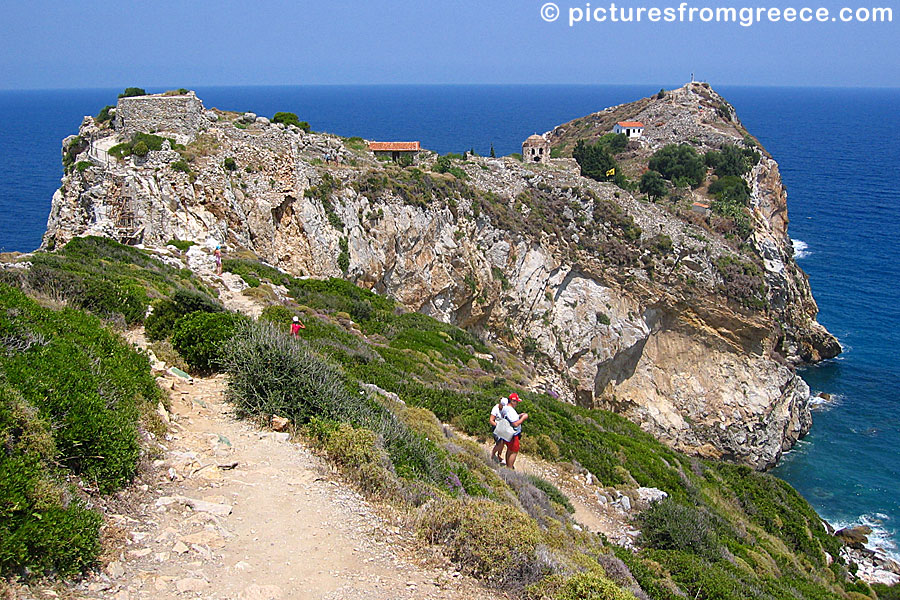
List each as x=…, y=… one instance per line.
x=456, y=84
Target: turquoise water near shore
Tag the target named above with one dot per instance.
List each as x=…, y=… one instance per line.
x=839, y=151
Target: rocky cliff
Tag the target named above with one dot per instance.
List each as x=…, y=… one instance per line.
x=618, y=302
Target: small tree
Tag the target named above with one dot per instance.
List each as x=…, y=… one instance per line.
x=679, y=162
x=595, y=160
x=493, y=154
x=653, y=184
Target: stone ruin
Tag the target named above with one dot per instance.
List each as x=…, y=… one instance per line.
x=181, y=115
x=536, y=149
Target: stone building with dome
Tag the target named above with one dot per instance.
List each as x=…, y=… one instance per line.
x=536, y=149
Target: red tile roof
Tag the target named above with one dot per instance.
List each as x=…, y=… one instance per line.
x=394, y=146
x=701, y=205
x=630, y=124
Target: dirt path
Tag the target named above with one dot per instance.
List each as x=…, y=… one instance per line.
x=234, y=512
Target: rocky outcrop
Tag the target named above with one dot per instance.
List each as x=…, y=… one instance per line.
x=616, y=301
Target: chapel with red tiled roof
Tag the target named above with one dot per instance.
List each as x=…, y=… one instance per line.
x=394, y=150
x=632, y=129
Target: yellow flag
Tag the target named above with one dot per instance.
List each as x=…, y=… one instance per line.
x=611, y=172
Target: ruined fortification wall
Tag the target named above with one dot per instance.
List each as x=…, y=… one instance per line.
x=182, y=115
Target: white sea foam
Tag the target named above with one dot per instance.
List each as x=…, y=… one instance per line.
x=801, y=249
x=881, y=538
x=817, y=402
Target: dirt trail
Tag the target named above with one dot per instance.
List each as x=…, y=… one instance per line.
x=239, y=513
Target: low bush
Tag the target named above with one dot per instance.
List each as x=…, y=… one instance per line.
x=132, y=91
x=229, y=164
x=43, y=527
x=105, y=277
x=488, y=540
x=289, y=118
x=182, y=245
x=587, y=585
x=200, y=337
x=92, y=388
x=668, y=525
x=82, y=165
x=103, y=116
x=160, y=323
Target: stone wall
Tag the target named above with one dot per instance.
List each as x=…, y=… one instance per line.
x=182, y=115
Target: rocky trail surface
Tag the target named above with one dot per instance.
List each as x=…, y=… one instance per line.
x=233, y=512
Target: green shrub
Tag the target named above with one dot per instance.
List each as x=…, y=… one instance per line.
x=277, y=315
x=82, y=165
x=182, y=245
x=358, y=452
x=487, y=540
x=105, y=277
x=160, y=324
x=200, y=337
x=668, y=525
x=653, y=185
x=140, y=148
x=288, y=118
x=133, y=91
x=104, y=116
x=42, y=527
x=732, y=160
x=343, y=258
x=445, y=164
x=552, y=492
x=542, y=445
x=679, y=162
x=587, y=585
x=83, y=380
x=742, y=281
x=181, y=166
x=595, y=160
x=229, y=164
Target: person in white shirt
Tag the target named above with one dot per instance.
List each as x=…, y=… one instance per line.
x=498, y=442
x=515, y=419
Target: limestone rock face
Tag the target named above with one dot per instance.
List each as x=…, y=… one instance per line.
x=617, y=302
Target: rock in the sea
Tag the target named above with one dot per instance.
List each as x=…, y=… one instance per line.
x=855, y=537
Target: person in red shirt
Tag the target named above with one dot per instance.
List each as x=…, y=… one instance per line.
x=296, y=326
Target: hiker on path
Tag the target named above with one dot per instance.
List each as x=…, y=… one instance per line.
x=497, y=451
x=218, y=255
x=296, y=326
x=515, y=419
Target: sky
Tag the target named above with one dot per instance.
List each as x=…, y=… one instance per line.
x=51, y=44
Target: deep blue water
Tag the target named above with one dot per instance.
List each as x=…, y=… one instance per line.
x=839, y=152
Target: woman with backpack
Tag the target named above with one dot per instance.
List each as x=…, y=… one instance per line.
x=498, y=441
x=515, y=419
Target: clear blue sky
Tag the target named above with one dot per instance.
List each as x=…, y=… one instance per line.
x=163, y=43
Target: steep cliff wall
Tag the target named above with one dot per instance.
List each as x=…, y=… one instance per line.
x=618, y=302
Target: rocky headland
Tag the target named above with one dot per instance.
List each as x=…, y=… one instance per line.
x=644, y=308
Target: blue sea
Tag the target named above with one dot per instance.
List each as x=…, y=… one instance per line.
x=839, y=151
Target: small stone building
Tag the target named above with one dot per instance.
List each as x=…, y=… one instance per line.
x=178, y=114
x=536, y=149
x=633, y=129
x=395, y=150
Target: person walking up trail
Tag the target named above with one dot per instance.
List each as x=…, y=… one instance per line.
x=497, y=451
x=296, y=326
x=218, y=256
x=515, y=419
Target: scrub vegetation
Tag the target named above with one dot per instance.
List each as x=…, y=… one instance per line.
x=384, y=394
